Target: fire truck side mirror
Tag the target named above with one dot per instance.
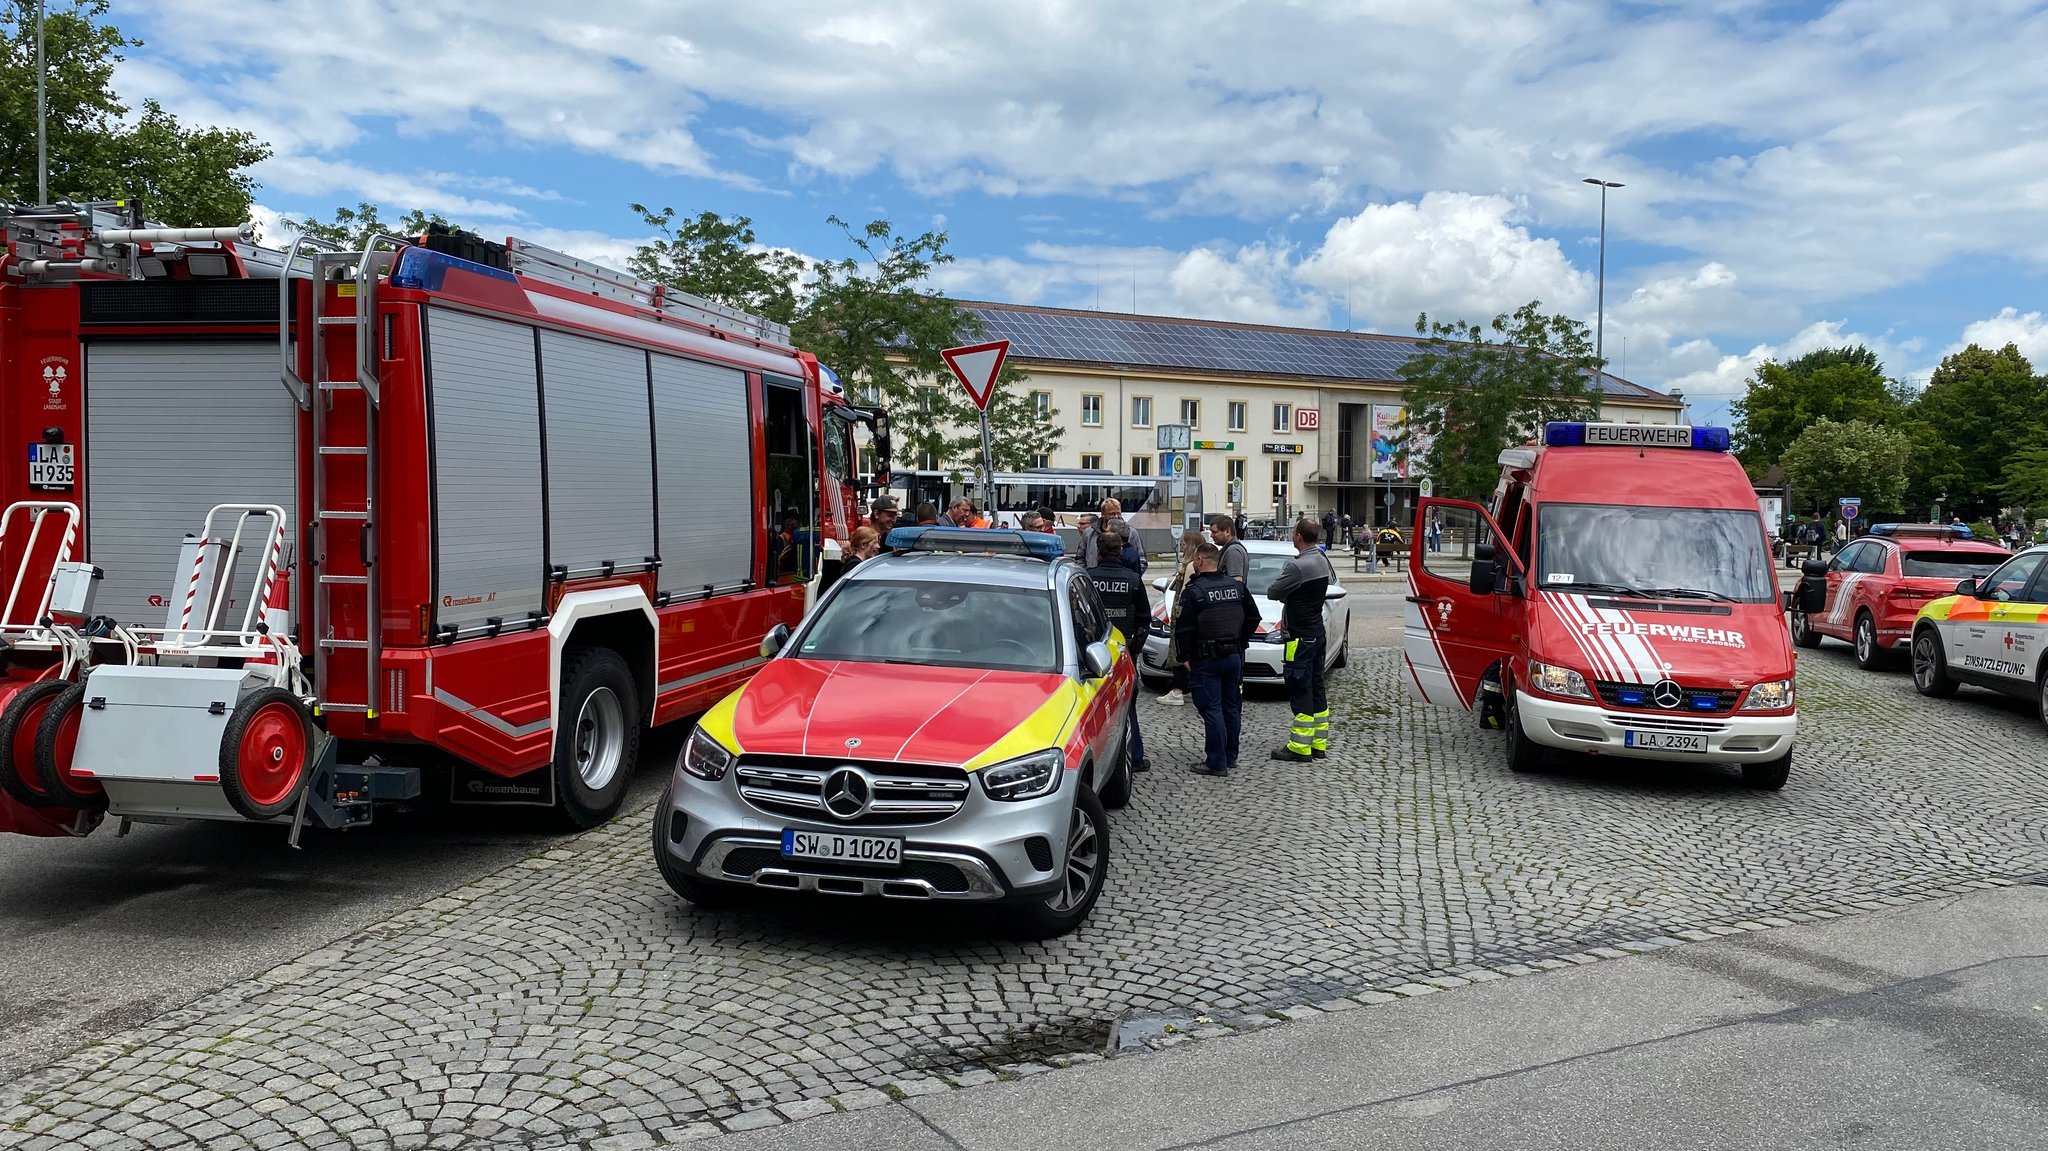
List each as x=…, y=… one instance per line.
x=1483, y=574
x=773, y=643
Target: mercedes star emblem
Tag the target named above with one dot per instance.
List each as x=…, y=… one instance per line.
x=852, y=743
x=847, y=793
x=1667, y=693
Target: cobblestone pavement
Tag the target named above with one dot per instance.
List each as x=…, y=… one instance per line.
x=570, y=999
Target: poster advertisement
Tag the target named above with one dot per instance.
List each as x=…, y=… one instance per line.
x=1392, y=458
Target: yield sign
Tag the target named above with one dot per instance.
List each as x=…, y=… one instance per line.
x=976, y=366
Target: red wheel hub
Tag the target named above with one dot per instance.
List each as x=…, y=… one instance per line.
x=273, y=754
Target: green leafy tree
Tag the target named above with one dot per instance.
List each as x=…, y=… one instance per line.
x=1783, y=400
x=1858, y=458
x=352, y=227
x=717, y=257
x=873, y=317
x=99, y=148
x=1473, y=390
x=1982, y=408
x=2024, y=480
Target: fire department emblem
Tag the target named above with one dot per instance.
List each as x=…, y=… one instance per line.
x=1443, y=613
x=56, y=372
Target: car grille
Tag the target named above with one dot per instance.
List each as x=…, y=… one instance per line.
x=1673, y=723
x=904, y=793
x=1698, y=700
x=746, y=862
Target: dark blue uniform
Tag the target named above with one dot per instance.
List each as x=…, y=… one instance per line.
x=1217, y=620
x=1130, y=610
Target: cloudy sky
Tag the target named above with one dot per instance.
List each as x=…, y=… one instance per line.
x=1797, y=173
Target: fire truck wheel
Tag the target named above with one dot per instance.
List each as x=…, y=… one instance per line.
x=1524, y=754
x=56, y=742
x=597, y=736
x=266, y=753
x=18, y=723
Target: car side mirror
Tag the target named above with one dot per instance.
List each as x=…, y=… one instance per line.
x=1335, y=591
x=773, y=643
x=1966, y=587
x=1791, y=599
x=1096, y=660
x=1482, y=578
x=1814, y=568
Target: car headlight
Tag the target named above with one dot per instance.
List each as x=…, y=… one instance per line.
x=1773, y=696
x=1554, y=680
x=1026, y=777
x=706, y=758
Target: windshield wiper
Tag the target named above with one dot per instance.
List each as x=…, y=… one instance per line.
x=1687, y=593
x=1600, y=588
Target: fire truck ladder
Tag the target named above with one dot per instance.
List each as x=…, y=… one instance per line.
x=341, y=581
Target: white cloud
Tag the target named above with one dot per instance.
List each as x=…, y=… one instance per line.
x=2028, y=330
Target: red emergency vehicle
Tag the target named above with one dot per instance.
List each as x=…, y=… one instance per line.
x=1618, y=598
x=1874, y=588
x=439, y=513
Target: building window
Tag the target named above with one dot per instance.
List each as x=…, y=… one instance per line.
x=1282, y=470
x=1191, y=413
x=1091, y=411
x=1194, y=468
x=866, y=466
x=1238, y=415
x=927, y=398
x=1283, y=417
x=869, y=394
x=1141, y=411
x=927, y=461
x=1141, y=465
x=1041, y=407
x=1040, y=460
x=1092, y=463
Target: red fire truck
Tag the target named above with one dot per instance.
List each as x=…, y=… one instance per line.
x=437, y=513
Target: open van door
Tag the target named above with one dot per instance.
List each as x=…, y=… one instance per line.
x=1464, y=609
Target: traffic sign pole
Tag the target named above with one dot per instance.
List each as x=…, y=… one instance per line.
x=976, y=366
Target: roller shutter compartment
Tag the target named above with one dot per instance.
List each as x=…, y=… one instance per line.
x=705, y=455
x=600, y=466
x=171, y=429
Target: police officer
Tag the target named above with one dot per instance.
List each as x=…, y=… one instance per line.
x=1129, y=608
x=1300, y=588
x=1216, y=620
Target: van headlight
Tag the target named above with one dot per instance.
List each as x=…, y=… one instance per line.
x=1026, y=777
x=1775, y=695
x=1551, y=679
x=706, y=758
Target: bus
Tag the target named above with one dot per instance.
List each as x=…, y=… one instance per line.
x=1148, y=501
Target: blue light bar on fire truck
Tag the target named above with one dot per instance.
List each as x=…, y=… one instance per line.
x=976, y=541
x=1582, y=435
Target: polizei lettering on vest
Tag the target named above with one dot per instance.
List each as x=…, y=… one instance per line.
x=1712, y=636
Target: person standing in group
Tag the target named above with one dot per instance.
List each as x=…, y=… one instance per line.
x=960, y=513
x=882, y=516
x=1190, y=543
x=927, y=514
x=1330, y=523
x=1129, y=609
x=1301, y=587
x=1086, y=522
x=1113, y=513
x=1030, y=521
x=1236, y=559
x=864, y=544
x=1217, y=621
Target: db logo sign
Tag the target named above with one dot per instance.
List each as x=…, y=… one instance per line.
x=1307, y=419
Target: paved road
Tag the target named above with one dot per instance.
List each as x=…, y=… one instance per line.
x=1917, y=1029
x=569, y=998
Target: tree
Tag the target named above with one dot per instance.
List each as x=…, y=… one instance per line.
x=352, y=228
x=717, y=257
x=871, y=317
x=1830, y=460
x=2025, y=478
x=1783, y=400
x=182, y=176
x=1473, y=391
x=1983, y=408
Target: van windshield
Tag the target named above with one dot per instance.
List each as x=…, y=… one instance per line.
x=1700, y=553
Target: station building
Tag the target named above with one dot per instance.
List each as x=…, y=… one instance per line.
x=1283, y=421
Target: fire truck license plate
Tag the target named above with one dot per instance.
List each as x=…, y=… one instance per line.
x=850, y=848
x=1664, y=741
x=52, y=466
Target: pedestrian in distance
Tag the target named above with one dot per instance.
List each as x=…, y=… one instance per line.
x=927, y=514
x=1436, y=530
x=1217, y=621
x=1301, y=588
x=1129, y=609
x=1236, y=559
x=1031, y=521
x=1349, y=532
x=1330, y=525
x=1087, y=523
x=1190, y=543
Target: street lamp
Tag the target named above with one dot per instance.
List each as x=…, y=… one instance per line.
x=1600, y=317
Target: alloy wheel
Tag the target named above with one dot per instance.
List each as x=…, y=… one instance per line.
x=1082, y=861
